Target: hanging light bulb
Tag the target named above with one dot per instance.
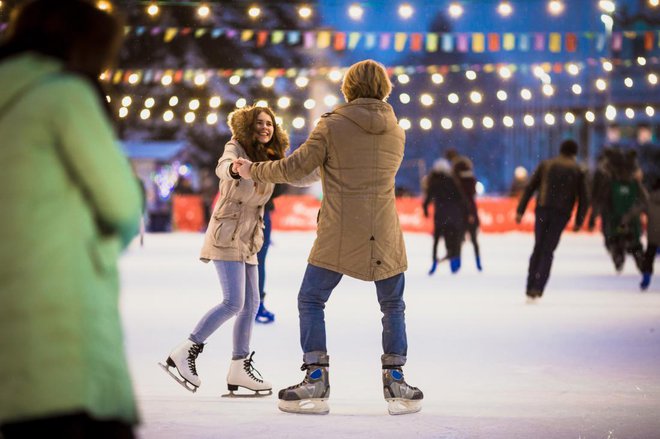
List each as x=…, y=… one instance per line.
x=505, y=9
x=153, y=9
x=355, y=11
x=203, y=11
x=254, y=12
x=406, y=11
x=555, y=7
x=405, y=124
x=304, y=12
x=455, y=10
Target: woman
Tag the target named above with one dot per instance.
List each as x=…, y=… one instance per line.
x=233, y=238
x=69, y=204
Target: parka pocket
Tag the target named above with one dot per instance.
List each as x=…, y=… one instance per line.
x=257, y=240
x=224, y=234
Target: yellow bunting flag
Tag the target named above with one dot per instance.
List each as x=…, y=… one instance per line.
x=555, y=42
x=400, y=41
x=170, y=33
x=323, y=40
x=431, y=42
x=509, y=41
x=353, y=39
x=277, y=37
x=200, y=32
x=246, y=35
x=478, y=42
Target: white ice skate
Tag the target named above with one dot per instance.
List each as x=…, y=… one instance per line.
x=242, y=374
x=401, y=397
x=311, y=395
x=183, y=358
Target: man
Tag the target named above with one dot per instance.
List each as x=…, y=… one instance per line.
x=359, y=148
x=557, y=182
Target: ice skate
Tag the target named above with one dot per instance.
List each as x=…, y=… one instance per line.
x=183, y=358
x=243, y=374
x=401, y=397
x=263, y=315
x=310, y=396
x=478, y=261
x=646, y=281
x=455, y=265
x=533, y=296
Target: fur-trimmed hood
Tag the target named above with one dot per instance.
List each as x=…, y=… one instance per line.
x=240, y=123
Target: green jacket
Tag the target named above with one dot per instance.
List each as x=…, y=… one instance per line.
x=62, y=177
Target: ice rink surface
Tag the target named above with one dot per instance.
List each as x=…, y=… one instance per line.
x=584, y=363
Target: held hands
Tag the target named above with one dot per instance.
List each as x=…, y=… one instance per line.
x=242, y=166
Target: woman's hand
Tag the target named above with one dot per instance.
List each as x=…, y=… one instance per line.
x=242, y=166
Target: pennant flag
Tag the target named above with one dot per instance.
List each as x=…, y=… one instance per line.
x=416, y=42
x=493, y=42
x=555, y=42
x=139, y=30
x=631, y=35
x=617, y=41
x=462, y=44
x=571, y=42
x=277, y=36
x=200, y=32
x=185, y=31
x=323, y=40
x=353, y=40
x=539, y=41
x=431, y=42
x=246, y=35
x=232, y=33
x=648, y=41
x=216, y=32
x=447, y=43
x=509, y=42
x=309, y=40
x=293, y=37
x=148, y=76
x=400, y=41
x=478, y=42
x=117, y=76
x=340, y=40
x=170, y=33
x=127, y=29
x=370, y=42
x=156, y=30
x=523, y=42
x=600, y=42
x=385, y=40
x=262, y=38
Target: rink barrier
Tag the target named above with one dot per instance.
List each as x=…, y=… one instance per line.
x=299, y=213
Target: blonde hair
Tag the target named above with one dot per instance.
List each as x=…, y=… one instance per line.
x=366, y=79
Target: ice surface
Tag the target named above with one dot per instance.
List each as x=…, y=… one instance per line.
x=583, y=363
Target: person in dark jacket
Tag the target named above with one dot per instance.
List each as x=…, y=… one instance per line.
x=263, y=315
x=620, y=190
x=450, y=213
x=558, y=182
x=463, y=171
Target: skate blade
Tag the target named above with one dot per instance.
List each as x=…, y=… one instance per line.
x=256, y=394
x=305, y=406
x=400, y=406
x=264, y=320
x=185, y=384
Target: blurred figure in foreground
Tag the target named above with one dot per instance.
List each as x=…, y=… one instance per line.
x=558, y=183
x=70, y=203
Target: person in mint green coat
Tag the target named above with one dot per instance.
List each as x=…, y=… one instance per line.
x=69, y=204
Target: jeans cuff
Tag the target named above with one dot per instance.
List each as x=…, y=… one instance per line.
x=316, y=357
x=393, y=360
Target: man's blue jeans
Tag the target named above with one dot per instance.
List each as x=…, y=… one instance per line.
x=315, y=291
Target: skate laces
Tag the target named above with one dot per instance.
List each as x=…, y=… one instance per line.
x=305, y=367
x=193, y=352
x=249, y=368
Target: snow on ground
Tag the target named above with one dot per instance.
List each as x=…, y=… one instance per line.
x=584, y=363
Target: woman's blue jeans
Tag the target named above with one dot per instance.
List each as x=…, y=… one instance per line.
x=240, y=289
x=315, y=291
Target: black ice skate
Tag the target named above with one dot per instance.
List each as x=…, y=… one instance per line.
x=183, y=358
x=401, y=397
x=242, y=374
x=310, y=396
